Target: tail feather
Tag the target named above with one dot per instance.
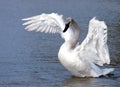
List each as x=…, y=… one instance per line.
x=107, y=71
x=97, y=71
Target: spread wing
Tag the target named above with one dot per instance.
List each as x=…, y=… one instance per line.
x=48, y=23
x=94, y=48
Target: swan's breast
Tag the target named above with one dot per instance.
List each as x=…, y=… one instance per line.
x=68, y=58
x=65, y=55
x=71, y=61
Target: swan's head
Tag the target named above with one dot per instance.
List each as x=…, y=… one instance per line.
x=67, y=23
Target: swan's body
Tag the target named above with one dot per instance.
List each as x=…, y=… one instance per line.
x=81, y=60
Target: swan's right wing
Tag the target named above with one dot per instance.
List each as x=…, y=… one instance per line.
x=48, y=23
x=94, y=48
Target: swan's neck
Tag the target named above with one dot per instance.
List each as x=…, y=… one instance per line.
x=74, y=39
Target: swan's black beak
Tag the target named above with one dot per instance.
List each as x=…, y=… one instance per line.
x=66, y=27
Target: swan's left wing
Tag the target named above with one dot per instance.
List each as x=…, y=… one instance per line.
x=94, y=48
x=48, y=23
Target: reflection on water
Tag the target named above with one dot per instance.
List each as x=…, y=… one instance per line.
x=108, y=81
x=90, y=82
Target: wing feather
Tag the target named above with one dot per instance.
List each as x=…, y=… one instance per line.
x=48, y=23
x=94, y=48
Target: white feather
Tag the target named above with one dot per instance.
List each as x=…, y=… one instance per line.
x=45, y=21
x=95, y=44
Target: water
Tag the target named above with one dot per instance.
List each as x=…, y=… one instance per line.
x=29, y=59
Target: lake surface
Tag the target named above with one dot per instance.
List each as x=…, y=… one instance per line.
x=29, y=59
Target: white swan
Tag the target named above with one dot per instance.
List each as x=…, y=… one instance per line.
x=82, y=60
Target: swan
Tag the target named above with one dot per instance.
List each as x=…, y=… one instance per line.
x=82, y=60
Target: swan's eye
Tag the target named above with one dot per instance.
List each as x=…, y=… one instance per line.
x=66, y=27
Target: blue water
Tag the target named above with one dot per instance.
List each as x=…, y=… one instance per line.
x=29, y=59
